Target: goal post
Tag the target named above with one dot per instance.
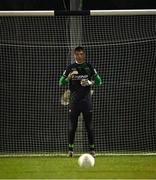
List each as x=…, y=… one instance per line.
x=129, y=12
x=35, y=47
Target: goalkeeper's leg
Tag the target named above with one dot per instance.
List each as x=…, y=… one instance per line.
x=73, y=113
x=87, y=115
x=89, y=127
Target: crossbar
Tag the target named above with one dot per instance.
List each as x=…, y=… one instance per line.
x=80, y=13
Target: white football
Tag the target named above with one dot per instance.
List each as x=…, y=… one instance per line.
x=86, y=160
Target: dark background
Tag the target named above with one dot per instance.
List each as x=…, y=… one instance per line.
x=30, y=110
x=65, y=4
x=34, y=53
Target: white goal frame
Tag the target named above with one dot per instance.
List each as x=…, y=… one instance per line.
x=130, y=12
x=87, y=12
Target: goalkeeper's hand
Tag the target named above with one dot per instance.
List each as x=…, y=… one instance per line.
x=65, y=97
x=71, y=75
x=86, y=82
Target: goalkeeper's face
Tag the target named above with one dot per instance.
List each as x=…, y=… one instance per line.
x=79, y=56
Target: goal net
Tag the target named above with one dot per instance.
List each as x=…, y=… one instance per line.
x=34, y=53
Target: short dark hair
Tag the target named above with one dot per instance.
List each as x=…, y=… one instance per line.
x=79, y=48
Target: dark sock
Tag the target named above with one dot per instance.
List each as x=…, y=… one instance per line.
x=91, y=147
x=71, y=147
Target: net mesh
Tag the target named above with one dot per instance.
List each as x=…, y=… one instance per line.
x=34, y=53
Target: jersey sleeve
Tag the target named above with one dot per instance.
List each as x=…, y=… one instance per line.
x=98, y=80
x=92, y=70
x=67, y=71
x=95, y=76
x=62, y=80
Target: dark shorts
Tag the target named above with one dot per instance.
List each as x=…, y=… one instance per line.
x=84, y=105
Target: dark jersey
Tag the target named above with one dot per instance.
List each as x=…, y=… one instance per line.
x=85, y=71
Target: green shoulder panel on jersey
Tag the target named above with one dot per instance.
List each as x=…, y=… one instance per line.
x=98, y=80
x=62, y=81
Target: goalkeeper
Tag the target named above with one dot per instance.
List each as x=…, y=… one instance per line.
x=80, y=76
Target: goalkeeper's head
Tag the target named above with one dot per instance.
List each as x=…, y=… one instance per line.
x=79, y=55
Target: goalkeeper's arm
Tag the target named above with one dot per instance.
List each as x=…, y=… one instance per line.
x=62, y=81
x=97, y=81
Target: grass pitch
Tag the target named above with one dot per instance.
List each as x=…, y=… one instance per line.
x=106, y=167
